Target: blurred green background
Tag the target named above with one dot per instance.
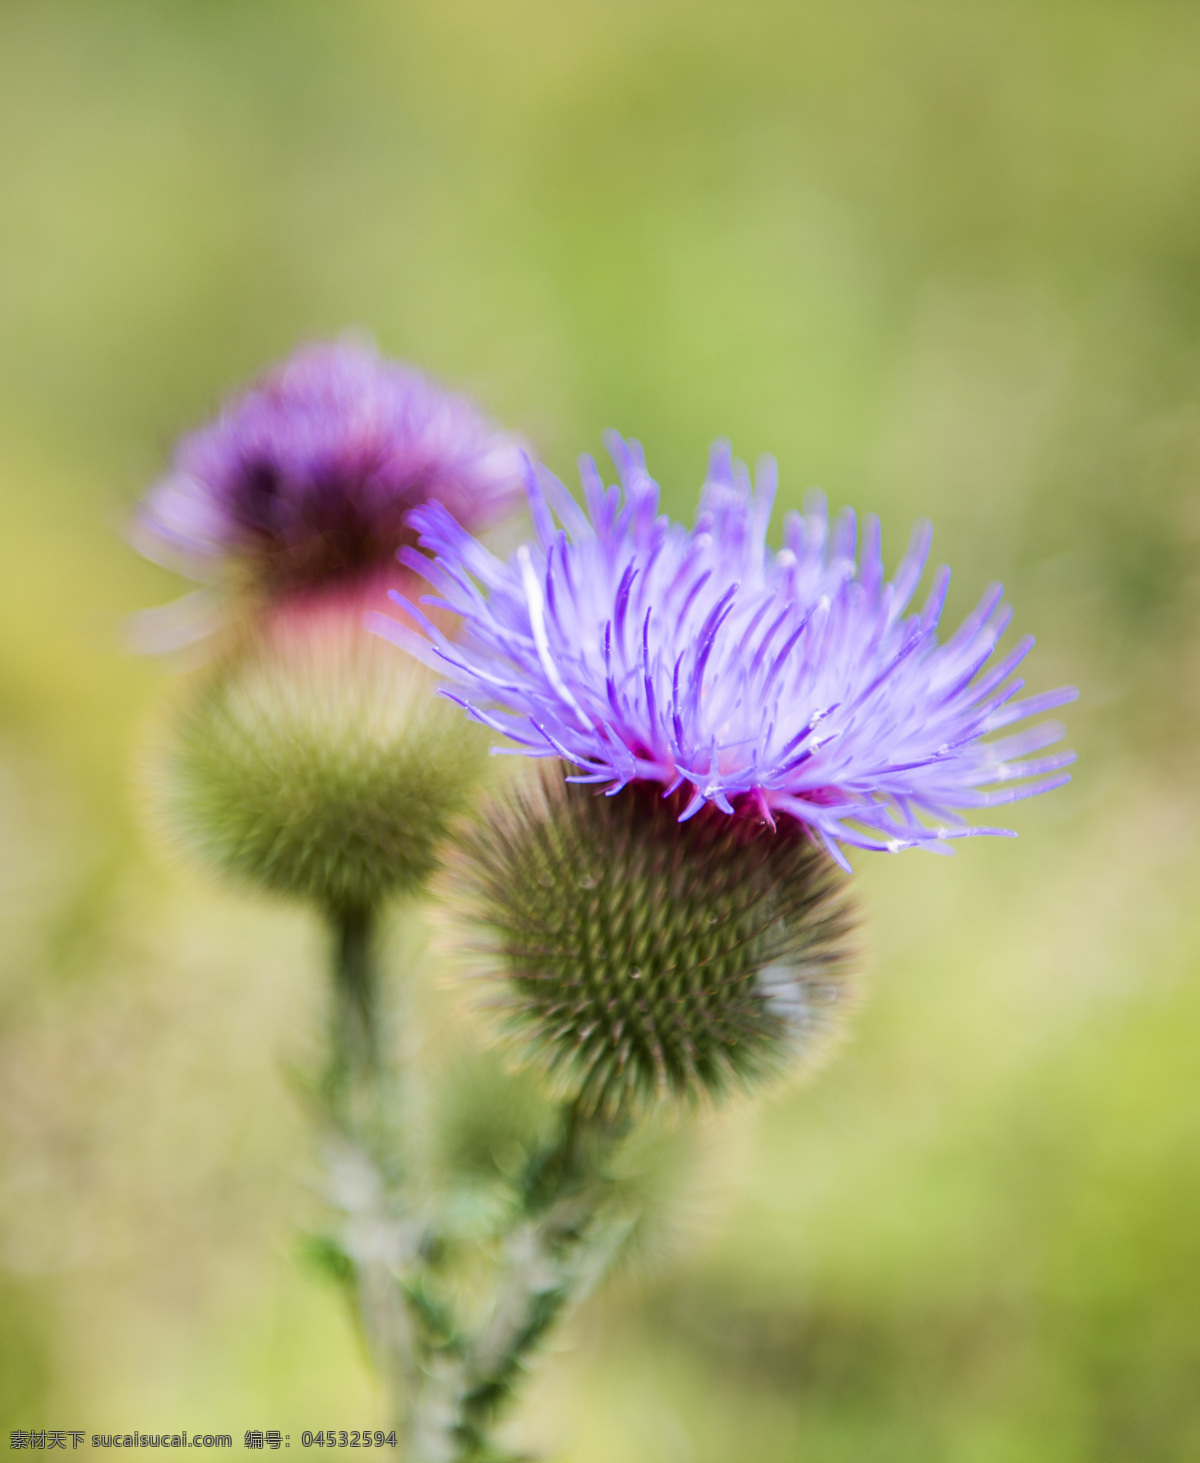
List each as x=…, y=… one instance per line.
x=941, y=257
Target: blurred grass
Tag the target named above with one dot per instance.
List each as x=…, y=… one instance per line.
x=942, y=258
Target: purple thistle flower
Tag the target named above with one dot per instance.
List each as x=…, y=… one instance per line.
x=307, y=478
x=778, y=683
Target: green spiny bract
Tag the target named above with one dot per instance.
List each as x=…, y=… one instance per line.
x=640, y=957
x=317, y=763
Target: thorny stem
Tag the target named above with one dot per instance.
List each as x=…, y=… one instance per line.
x=447, y=1383
x=557, y=1246
x=365, y=1171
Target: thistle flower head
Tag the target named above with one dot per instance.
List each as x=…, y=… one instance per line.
x=795, y=682
x=307, y=477
x=638, y=958
x=314, y=763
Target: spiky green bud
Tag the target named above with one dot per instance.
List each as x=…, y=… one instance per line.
x=636, y=956
x=316, y=762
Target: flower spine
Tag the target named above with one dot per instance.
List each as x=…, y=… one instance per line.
x=747, y=712
x=640, y=958
x=315, y=764
x=307, y=759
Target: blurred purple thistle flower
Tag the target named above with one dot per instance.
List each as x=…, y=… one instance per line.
x=307, y=477
x=777, y=683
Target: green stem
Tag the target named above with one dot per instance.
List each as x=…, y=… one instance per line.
x=447, y=1387
x=365, y=1170
x=560, y=1244
x=356, y=1044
